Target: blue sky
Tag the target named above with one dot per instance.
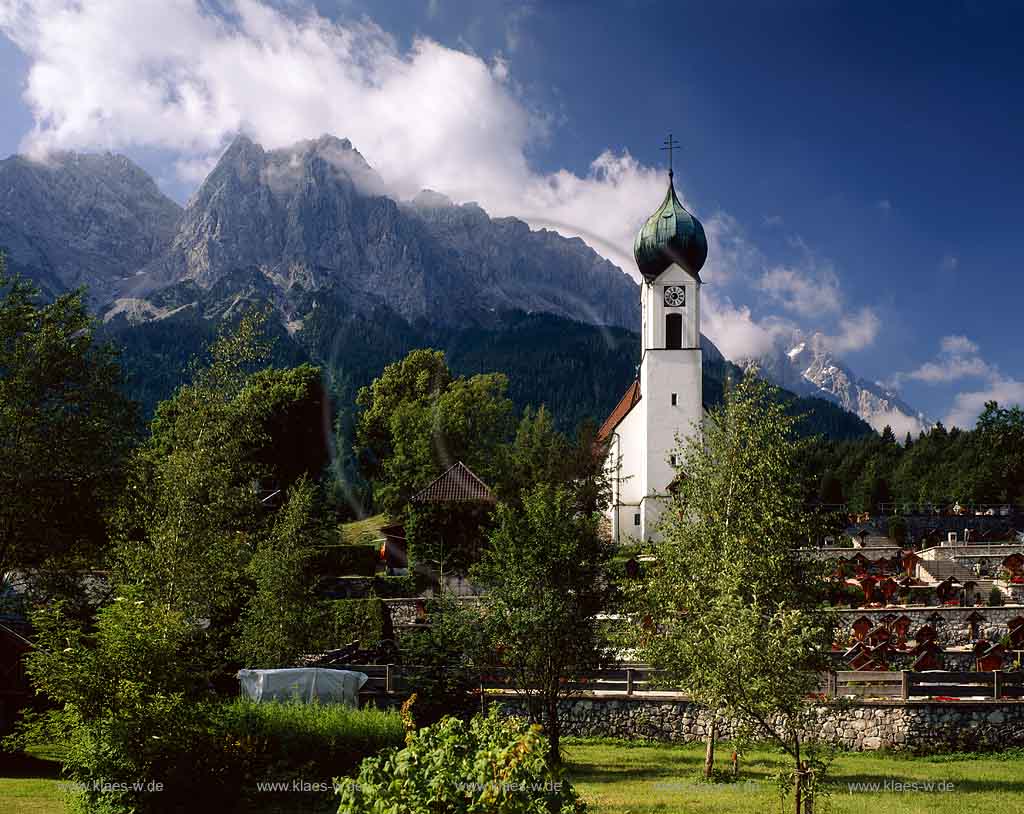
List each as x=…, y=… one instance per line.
x=858, y=166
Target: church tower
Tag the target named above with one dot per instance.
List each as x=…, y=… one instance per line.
x=666, y=401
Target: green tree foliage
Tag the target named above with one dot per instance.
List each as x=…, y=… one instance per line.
x=940, y=467
x=492, y=764
x=126, y=704
x=538, y=453
x=446, y=537
x=278, y=621
x=65, y=430
x=417, y=420
x=199, y=501
x=733, y=614
x=545, y=571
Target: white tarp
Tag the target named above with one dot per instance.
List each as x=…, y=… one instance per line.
x=303, y=684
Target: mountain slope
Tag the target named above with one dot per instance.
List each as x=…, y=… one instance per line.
x=78, y=219
x=578, y=370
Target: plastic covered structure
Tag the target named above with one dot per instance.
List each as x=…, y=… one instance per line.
x=305, y=684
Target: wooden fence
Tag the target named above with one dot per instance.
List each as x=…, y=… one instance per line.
x=937, y=684
x=631, y=680
x=396, y=678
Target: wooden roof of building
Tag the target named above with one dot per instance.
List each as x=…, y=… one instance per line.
x=457, y=485
x=628, y=401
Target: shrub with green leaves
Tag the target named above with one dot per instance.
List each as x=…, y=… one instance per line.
x=492, y=764
x=144, y=735
x=347, y=620
x=129, y=710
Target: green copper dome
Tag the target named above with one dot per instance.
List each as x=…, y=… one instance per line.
x=671, y=235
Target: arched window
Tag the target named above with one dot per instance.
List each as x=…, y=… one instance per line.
x=673, y=330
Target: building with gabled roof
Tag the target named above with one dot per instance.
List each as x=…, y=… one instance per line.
x=457, y=484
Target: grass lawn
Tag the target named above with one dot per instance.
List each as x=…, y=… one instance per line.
x=641, y=779
x=29, y=784
x=616, y=778
x=363, y=531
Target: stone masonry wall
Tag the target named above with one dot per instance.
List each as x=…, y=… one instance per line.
x=950, y=623
x=918, y=726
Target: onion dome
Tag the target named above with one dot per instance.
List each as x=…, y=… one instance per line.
x=671, y=235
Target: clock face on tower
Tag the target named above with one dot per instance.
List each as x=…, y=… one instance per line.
x=675, y=296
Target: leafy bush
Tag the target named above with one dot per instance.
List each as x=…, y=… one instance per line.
x=491, y=764
x=995, y=597
x=347, y=620
x=129, y=711
x=388, y=587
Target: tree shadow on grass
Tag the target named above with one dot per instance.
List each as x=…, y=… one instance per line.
x=22, y=766
x=863, y=783
x=686, y=768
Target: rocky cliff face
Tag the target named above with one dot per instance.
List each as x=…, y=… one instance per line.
x=92, y=220
x=315, y=217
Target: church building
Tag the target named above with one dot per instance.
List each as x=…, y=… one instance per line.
x=664, y=405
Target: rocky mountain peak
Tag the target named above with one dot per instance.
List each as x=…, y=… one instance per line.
x=316, y=217
x=807, y=365
x=76, y=219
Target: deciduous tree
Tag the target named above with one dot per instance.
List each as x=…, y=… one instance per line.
x=65, y=429
x=735, y=611
x=545, y=571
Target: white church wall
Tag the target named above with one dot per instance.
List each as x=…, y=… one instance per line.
x=653, y=309
x=625, y=456
x=668, y=372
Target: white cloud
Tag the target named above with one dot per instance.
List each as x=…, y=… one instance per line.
x=731, y=255
x=856, y=331
x=958, y=359
x=957, y=343
x=949, y=262
x=184, y=79
x=968, y=406
x=884, y=204
x=808, y=292
x=734, y=330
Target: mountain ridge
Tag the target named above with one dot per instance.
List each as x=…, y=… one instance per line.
x=806, y=365
x=311, y=229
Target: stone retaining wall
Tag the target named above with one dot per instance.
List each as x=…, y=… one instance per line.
x=919, y=726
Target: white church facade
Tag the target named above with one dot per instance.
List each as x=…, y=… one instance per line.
x=664, y=405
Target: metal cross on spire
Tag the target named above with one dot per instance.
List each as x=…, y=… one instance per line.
x=670, y=145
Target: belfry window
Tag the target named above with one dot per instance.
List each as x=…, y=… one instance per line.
x=673, y=330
